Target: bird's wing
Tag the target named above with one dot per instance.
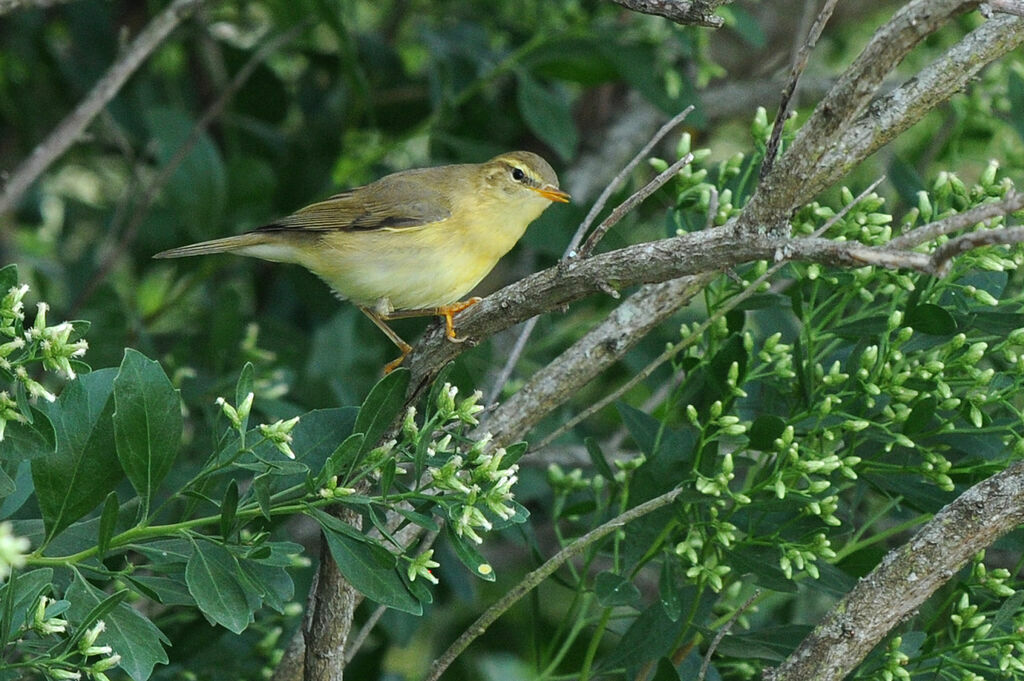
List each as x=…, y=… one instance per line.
x=409, y=204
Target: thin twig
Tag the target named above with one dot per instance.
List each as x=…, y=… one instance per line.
x=675, y=349
x=1013, y=201
x=942, y=258
x=570, y=251
x=195, y=134
x=613, y=186
x=632, y=202
x=364, y=633
x=513, y=359
x=7, y=6
x=722, y=632
x=799, y=64
x=530, y=581
x=70, y=129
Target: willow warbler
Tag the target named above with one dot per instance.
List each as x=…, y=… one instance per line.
x=411, y=243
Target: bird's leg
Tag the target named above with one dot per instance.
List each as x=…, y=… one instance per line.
x=403, y=347
x=446, y=311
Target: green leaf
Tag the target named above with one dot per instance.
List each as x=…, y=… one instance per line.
x=166, y=551
x=20, y=593
x=212, y=576
x=1015, y=93
x=614, y=590
x=597, y=457
x=23, y=489
x=763, y=565
x=261, y=491
x=514, y=452
x=644, y=428
x=666, y=671
x=381, y=407
x=196, y=193
x=387, y=477
x=7, y=486
x=272, y=582
x=870, y=327
x=147, y=422
x=84, y=468
x=421, y=519
x=8, y=278
x=23, y=441
x=108, y=522
x=134, y=637
x=931, y=319
x=547, y=113
x=920, y=418
x=650, y=636
x=165, y=590
x=343, y=455
x=228, y=507
x=764, y=431
x=244, y=386
x=469, y=556
x=773, y=643
x=668, y=589
x=97, y=613
x=1003, y=620
x=314, y=439
x=368, y=566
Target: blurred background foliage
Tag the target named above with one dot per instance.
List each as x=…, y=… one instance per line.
x=366, y=87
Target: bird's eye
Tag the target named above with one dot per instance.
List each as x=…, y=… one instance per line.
x=518, y=174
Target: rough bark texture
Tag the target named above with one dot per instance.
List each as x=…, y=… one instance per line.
x=906, y=577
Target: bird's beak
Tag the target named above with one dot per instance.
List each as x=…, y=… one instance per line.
x=552, y=193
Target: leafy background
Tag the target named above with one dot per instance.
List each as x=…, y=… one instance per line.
x=361, y=89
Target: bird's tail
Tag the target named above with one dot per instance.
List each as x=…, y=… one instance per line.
x=240, y=243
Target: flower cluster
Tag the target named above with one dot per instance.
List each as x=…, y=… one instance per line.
x=12, y=550
x=74, y=664
x=53, y=346
x=473, y=480
x=278, y=433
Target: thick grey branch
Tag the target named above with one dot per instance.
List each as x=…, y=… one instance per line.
x=590, y=355
x=1006, y=6
x=679, y=11
x=898, y=110
x=649, y=263
x=69, y=129
x=797, y=176
x=906, y=577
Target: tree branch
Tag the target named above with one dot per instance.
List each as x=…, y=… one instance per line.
x=1013, y=201
x=603, y=345
x=1006, y=6
x=796, y=70
x=8, y=6
x=69, y=129
x=801, y=173
x=906, y=577
x=698, y=13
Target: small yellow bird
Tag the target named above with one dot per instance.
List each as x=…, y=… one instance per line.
x=411, y=243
